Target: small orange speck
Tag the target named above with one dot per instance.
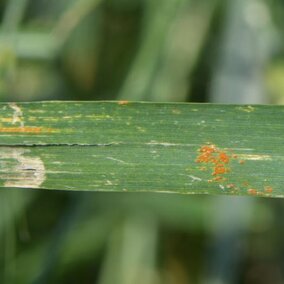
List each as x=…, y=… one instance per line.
x=242, y=162
x=230, y=185
x=268, y=189
x=219, y=169
x=212, y=160
x=123, y=102
x=219, y=178
x=224, y=157
x=208, y=149
x=234, y=156
x=202, y=159
x=252, y=191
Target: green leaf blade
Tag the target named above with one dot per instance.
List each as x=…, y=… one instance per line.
x=151, y=147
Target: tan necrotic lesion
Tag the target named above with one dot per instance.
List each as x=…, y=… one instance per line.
x=17, y=169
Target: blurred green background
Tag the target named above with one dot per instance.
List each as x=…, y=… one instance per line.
x=224, y=51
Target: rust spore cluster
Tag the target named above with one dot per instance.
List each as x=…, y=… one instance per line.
x=267, y=191
x=218, y=161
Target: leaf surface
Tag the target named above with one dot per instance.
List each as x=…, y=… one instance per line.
x=137, y=146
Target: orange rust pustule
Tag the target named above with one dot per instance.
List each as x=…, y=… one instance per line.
x=206, y=155
x=219, y=170
x=123, y=102
x=208, y=149
x=25, y=130
x=268, y=189
x=210, y=154
x=231, y=185
x=252, y=191
x=224, y=157
x=219, y=178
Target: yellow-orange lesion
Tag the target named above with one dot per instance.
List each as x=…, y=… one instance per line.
x=218, y=162
x=26, y=129
x=218, y=159
x=123, y=102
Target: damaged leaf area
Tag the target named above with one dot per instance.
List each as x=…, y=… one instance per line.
x=218, y=159
x=12, y=121
x=19, y=169
x=219, y=164
x=135, y=146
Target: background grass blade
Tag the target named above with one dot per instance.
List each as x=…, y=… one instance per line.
x=155, y=147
